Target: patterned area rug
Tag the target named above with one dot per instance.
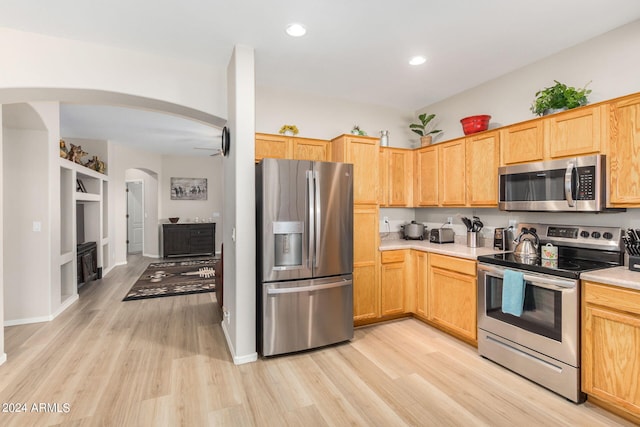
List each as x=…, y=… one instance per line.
x=165, y=279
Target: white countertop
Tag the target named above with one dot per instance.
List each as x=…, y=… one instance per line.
x=451, y=249
x=617, y=276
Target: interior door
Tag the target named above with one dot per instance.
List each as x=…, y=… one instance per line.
x=135, y=217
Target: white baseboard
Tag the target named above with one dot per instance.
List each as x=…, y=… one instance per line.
x=237, y=360
x=41, y=319
x=151, y=255
x=3, y=358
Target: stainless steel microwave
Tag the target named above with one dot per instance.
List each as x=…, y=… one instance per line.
x=576, y=184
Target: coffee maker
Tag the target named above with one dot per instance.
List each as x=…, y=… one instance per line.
x=503, y=239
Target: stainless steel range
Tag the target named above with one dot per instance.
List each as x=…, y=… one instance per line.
x=543, y=342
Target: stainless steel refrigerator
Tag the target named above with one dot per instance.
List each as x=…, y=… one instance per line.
x=304, y=217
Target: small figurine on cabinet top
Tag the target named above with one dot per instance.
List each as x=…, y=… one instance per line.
x=96, y=164
x=76, y=154
x=64, y=151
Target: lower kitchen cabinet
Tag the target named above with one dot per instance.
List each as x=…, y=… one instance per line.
x=452, y=290
x=611, y=347
x=366, y=284
x=421, y=280
x=393, y=273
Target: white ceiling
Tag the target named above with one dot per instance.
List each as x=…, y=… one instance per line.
x=354, y=49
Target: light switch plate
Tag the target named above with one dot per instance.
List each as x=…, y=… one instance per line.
x=37, y=226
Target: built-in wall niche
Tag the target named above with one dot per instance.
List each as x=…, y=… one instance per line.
x=79, y=223
x=88, y=227
x=66, y=215
x=68, y=287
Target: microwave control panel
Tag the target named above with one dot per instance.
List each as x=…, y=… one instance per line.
x=586, y=181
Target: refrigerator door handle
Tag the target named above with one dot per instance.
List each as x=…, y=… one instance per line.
x=318, y=222
x=310, y=288
x=310, y=210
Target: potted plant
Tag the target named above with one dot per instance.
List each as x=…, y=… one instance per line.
x=288, y=130
x=559, y=97
x=356, y=131
x=425, y=128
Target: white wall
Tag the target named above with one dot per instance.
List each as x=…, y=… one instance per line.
x=122, y=158
x=187, y=210
x=3, y=355
x=77, y=64
x=151, y=244
x=27, y=254
x=239, y=234
x=325, y=118
x=610, y=62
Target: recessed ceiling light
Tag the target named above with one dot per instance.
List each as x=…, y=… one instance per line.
x=296, y=30
x=417, y=60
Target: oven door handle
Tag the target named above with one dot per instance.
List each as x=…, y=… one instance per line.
x=543, y=282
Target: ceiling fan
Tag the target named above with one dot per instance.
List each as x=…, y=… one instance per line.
x=216, y=151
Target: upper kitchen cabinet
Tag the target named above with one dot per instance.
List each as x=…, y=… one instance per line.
x=396, y=176
x=522, y=143
x=273, y=146
x=311, y=149
x=452, y=173
x=425, y=186
x=576, y=132
x=624, y=152
x=483, y=158
x=290, y=147
x=362, y=152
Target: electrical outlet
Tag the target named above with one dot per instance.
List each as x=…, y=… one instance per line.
x=385, y=219
x=449, y=220
x=513, y=223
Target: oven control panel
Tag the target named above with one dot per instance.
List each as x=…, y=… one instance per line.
x=595, y=237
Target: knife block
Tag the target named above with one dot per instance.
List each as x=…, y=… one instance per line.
x=634, y=263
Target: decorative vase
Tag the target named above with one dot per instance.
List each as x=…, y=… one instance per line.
x=288, y=133
x=425, y=140
x=553, y=111
x=384, y=138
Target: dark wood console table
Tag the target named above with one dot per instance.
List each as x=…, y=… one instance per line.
x=188, y=239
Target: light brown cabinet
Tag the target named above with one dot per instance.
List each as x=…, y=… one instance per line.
x=482, y=154
x=396, y=177
x=291, y=147
x=363, y=152
x=366, y=283
x=421, y=280
x=452, y=291
x=576, y=132
x=611, y=347
x=393, y=278
x=523, y=142
x=425, y=186
x=452, y=173
x=624, y=149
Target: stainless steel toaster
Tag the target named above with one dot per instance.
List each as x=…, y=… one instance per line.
x=441, y=235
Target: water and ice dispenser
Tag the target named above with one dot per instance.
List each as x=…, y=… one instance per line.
x=287, y=244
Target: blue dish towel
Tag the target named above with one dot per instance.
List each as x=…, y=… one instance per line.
x=513, y=292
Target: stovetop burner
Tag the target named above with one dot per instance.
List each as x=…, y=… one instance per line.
x=563, y=266
x=580, y=249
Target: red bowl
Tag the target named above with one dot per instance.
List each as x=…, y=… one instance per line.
x=475, y=124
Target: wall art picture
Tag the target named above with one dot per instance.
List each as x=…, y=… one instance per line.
x=188, y=188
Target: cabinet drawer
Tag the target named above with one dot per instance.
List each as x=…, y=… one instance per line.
x=459, y=265
x=392, y=256
x=611, y=296
x=201, y=231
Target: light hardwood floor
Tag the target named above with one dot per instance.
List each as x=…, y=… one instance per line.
x=164, y=362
